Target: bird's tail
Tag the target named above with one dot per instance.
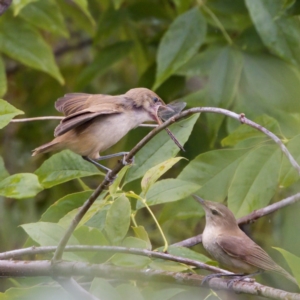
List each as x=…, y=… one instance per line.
x=51, y=146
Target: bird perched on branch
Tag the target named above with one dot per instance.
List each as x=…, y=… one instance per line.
x=231, y=247
x=93, y=123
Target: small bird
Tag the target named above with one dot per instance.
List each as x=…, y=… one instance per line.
x=93, y=123
x=231, y=247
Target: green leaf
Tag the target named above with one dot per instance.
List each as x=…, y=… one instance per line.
x=64, y=166
x=169, y=190
x=131, y=260
x=90, y=236
x=20, y=4
x=142, y=234
x=3, y=172
x=83, y=5
x=22, y=42
x=117, y=3
x=3, y=81
x=255, y=180
x=244, y=132
x=46, y=15
x=7, y=112
x=288, y=174
x=164, y=293
x=19, y=186
x=187, y=253
x=293, y=262
x=114, y=187
x=152, y=175
x=118, y=220
x=280, y=34
x=213, y=169
x=64, y=205
x=130, y=291
x=35, y=293
x=103, y=290
x=160, y=148
x=169, y=266
x=47, y=234
x=181, y=41
x=104, y=59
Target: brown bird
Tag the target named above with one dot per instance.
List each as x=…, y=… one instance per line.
x=93, y=123
x=231, y=247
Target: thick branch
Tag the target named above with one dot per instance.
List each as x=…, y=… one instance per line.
x=250, y=218
x=10, y=268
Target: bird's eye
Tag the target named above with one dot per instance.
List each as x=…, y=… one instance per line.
x=155, y=100
x=214, y=212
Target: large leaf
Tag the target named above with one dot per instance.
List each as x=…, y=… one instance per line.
x=280, y=34
x=168, y=190
x=7, y=112
x=187, y=253
x=19, y=186
x=293, y=262
x=154, y=173
x=64, y=166
x=22, y=42
x=3, y=81
x=104, y=59
x=47, y=234
x=118, y=220
x=179, y=44
x=213, y=169
x=255, y=180
x=103, y=290
x=46, y=15
x=20, y=4
x=160, y=148
x=64, y=205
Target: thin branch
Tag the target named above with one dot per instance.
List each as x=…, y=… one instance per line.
x=83, y=248
x=10, y=268
x=250, y=218
x=111, y=175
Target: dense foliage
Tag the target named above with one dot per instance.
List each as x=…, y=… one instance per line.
x=239, y=55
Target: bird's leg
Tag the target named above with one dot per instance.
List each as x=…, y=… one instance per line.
x=232, y=281
x=118, y=154
x=96, y=163
x=218, y=275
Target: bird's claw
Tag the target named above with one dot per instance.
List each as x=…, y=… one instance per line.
x=129, y=162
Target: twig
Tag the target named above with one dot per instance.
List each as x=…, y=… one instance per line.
x=67, y=269
x=250, y=218
x=83, y=248
x=240, y=117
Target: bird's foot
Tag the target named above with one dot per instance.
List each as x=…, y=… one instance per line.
x=207, y=278
x=231, y=282
x=129, y=162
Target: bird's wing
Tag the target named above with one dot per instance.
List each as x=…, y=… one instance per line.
x=247, y=251
x=75, y=102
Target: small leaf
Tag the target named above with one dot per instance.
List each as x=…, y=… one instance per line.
x=293, y=262
x=3, y=81
x=169, y=266
x=20, y=4
x=160, y=148
x=187, y=253
x=118, y=220
x=90, y=236
x=169, y=190
x=19, y=186
x=152, y=175
x=130, y=291
x=181, y=41
x=142, y=234
x=113, y=188
x=83, y=5
x=3, y=172
x=64, y=166
x=7, y=112
x=22, y=42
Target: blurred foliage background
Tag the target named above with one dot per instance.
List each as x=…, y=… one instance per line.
x=240, y=55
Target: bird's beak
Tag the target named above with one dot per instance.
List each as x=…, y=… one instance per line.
x=200, y=200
